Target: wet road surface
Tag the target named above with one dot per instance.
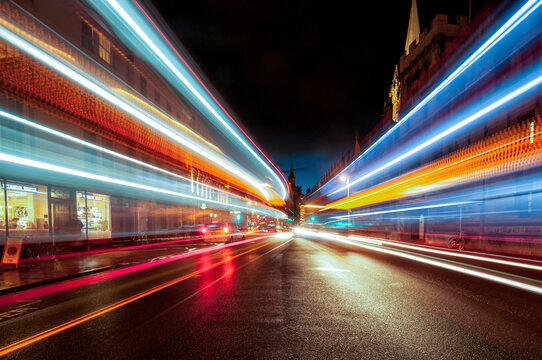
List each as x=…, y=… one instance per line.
x=279, y=298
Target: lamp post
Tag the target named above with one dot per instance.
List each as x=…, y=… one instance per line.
x=346, y=179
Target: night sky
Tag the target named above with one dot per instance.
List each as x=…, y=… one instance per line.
x=301, y=76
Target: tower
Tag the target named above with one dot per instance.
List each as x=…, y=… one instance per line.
x=291, y=178
x=413, y=32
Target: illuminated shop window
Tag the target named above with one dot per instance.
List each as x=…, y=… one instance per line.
x=105, y=49
x=82, y=209
x=27, y=208
x=97, y=216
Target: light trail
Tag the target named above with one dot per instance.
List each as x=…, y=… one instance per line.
x=284, y=191
x=459, y=125
x=76, y=140
x=82, y=319
x=357, y=197
x=106, y=179
x=452, y=253
x=516, y=19
x=93, y=86
x=163, y=115
x=441, y=263
x=175, y=71
x=401, y=210
x=71, y=284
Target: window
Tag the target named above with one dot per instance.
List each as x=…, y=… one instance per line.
x=27, y=208
x=143, y=85
x=86, y=36
x=98, y=215
x=105, y=49
x=168, y=107
x=157, y=97
x=82, y=208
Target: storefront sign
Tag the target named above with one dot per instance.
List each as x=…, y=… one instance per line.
x=92, y=197
x=12, y=251
x=21, y=187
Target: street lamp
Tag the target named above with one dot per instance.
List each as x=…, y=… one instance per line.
x=346, y=179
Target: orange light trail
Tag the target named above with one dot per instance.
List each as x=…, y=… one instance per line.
x=513, y=149
x=34, y=39
x=67, y=325
x=165, y=116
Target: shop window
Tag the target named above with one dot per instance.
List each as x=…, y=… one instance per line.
x=98, y=215
x=27, y=208
x=82, y=209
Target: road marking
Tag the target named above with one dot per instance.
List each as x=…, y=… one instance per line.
x=55, y=330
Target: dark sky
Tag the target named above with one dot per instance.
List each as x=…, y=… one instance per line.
x=302, y=76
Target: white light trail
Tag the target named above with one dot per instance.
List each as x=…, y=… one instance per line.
x=106, y=179
x=93, y=86
x=402, y=209
x=132, y=23
x=504, y=30
x=430, y=261
x=477, y=115
x=449, y=253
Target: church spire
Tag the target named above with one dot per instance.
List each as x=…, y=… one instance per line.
x=413, y=32
x=291, y=178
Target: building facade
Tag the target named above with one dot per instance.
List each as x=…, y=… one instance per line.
x=98, y=144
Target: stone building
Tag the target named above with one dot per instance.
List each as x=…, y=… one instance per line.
x=422, y=57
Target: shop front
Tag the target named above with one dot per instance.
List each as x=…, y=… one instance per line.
x=63, y=217
x=24, y=210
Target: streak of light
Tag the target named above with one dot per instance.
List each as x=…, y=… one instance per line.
x=123, y=248
x=67, y=325
x=284, y=236
x=86, y=175
x=432, y=261
x=71, y=284
x=107, y=151
x=401, y=210
x=458, y=125
x=284, y=191
x=330, y=269
x=160, y=113
x=168, y=63
x=34, y=39
x=94, y=87
x=356, y=199
x=524, y=12
x=453, y=253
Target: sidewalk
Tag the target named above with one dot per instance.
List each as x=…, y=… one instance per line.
x=72, y=265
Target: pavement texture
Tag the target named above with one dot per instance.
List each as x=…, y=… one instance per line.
x=281, y=298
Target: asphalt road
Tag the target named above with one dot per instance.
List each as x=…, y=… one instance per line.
x=280, y=298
